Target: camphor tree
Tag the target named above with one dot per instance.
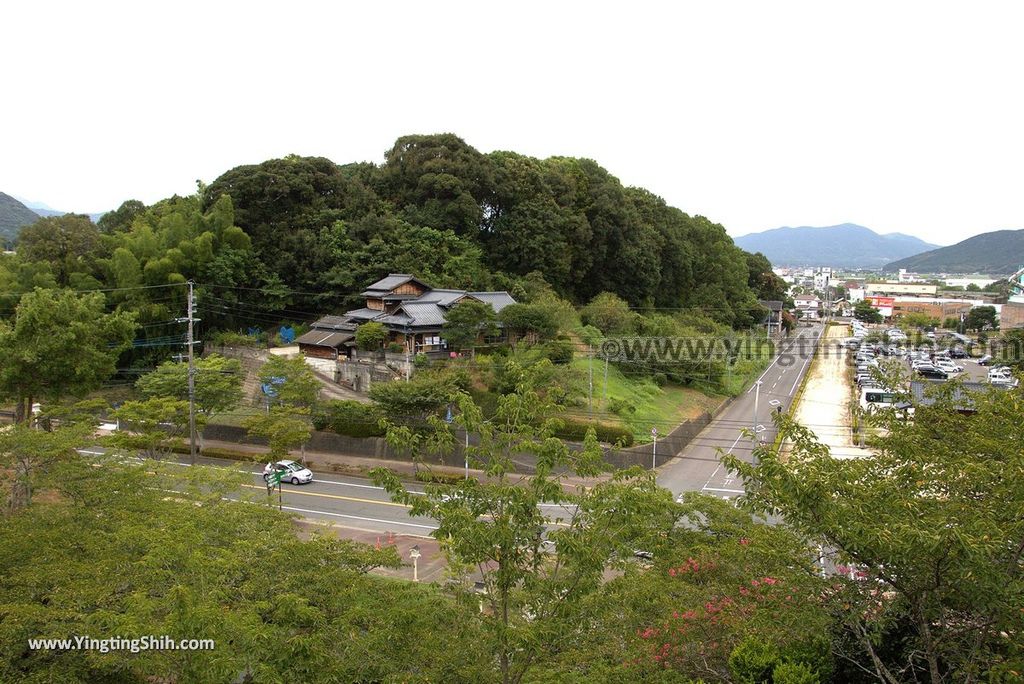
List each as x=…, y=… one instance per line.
x=539, y=545
x=467, y=321
x=60, y=343
x=863, y=311
x=292, y=380
x=930, y=526
x=218, y=385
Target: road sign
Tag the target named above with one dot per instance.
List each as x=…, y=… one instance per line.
x=273, y=479
x=654, y=432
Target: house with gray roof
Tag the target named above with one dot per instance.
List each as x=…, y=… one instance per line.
x=413, y=312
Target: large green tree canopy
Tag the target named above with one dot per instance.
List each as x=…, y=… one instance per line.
x=460, y=218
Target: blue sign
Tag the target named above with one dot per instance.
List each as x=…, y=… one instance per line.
x=270, y=388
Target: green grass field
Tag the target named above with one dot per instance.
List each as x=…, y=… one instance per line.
x=641, y=403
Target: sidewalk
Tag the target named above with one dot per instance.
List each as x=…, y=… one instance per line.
x=825, y=404
x=430, y=567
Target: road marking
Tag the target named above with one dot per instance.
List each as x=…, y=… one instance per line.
x=337, y=496
x=720, y=489
x=315, y=480
x=356, y=517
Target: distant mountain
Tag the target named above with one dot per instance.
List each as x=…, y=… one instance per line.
x=46, y=210
x=997, y=253
x=846, y=245
x=13, y=217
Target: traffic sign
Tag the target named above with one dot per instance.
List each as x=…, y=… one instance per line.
x=654, y=432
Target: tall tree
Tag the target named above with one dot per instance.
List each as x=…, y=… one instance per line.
x=68, y=243
x=438, y=181
x=218, y=384
x=929, y=529
x=467, y=321
x=536, y=568
x=60, y=343
x=292, y=380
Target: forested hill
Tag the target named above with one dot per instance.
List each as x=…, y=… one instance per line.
x=13, y=216
x=845, y=245
x=300, y=237
x=1000, y=252
x=439, y=208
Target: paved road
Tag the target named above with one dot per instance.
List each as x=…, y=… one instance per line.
x=698, y=467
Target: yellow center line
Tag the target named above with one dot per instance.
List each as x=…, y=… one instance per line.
x=371, y=501
x=337, y=496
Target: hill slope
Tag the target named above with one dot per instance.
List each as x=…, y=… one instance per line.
x=1000, y=252
x=845, y=245
x=13, y=216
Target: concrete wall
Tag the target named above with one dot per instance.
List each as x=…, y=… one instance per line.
x=378, y=448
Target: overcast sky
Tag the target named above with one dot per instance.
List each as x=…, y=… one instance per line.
x=901, y=116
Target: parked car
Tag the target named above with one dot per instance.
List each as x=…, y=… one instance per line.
x=933, y=373
x=985, y=360
x=293, y=472
x=958, y=353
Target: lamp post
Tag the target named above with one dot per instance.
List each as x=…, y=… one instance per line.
x=654, y=448
x=414, y=554
x=757, y=398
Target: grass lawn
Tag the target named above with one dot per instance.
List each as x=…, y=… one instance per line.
x=641, y=403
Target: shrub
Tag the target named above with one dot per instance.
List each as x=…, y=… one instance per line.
x=752, y=661
x=370, y=336
x=660, y=379
x=438, y=478
x=590, y=335
x=559, y=351
x=794, y=673
x=349, y=418
x=576, y=430
x=620, y=407
x=230, y=338
x=396, y=348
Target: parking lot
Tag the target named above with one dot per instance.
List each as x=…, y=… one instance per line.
x=934, y=355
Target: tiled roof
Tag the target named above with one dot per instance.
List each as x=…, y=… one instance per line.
x=961, y=394
x=323, y=338
x=442, y=297
x=334, y=323
x=393, y=280
x=498, y=300
x=416, y=314
x=363, y=314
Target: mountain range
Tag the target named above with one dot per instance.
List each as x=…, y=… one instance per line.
x=16, y=213
x=1000, y=252
x=13, y=217
x=847, y=245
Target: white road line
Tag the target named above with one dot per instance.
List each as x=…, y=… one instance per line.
x=720, y=463
x=356, y=517
x=731, y=491
x=315, y=480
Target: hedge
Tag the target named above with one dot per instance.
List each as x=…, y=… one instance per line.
x=349, y=418
x=576, y=430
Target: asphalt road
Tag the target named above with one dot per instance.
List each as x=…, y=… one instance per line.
x=698, y=467
x=357, y=503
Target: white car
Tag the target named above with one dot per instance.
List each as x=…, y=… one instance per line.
x=293, y=472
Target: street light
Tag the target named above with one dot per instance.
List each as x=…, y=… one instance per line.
x=654, y=448
x=414, y=554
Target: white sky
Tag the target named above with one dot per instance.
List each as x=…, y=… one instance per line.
x=901, y=116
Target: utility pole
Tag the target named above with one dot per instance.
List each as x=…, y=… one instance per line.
x=590, y=393
x=191, y=342
x=604, y=397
